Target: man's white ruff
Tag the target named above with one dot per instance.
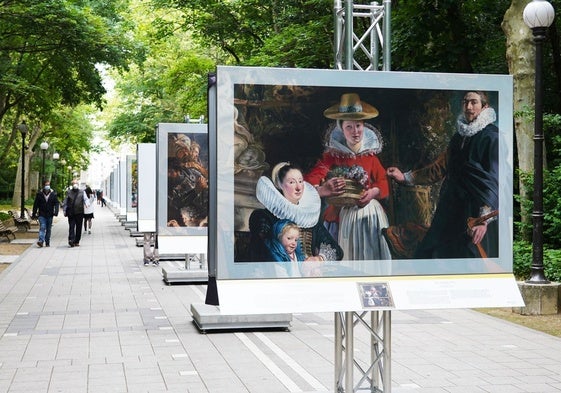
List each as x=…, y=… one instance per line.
x=486, y=117
x=305, y=214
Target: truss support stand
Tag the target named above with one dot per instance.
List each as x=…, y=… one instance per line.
x=373, y=376
x=360, y=50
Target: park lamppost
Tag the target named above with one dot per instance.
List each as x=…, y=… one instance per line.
x=69, y=174
x=63, y=166
x=56, y=157
x=44, y=147
x=538, y=16
x=23, y=129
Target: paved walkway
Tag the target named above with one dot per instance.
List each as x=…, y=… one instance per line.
x=94, y=319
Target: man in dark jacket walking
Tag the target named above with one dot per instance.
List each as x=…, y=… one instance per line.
x=46, y=204
x=74, y=210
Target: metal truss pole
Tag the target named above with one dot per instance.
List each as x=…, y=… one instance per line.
x=374, y=373
x=387, y=60
x=361, y=50
x=349, y=35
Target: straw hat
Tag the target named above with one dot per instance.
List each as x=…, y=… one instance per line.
x=351, y=108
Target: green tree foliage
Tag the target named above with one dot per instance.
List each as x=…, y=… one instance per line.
x=449, y=36
x=169, y=84
x=288, y=33
x=49, y=57
x=50, y=49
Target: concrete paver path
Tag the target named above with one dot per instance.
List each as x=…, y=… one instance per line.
x=94, y=319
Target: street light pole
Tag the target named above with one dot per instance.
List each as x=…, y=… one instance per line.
x=63, y=166
x=44, y=147
x=538, y=16
x=23, y=129
x=69, y=174
x=56, y=156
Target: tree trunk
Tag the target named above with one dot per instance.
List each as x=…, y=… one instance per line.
x=33, y=135
x=520, y=54
x=16, y=199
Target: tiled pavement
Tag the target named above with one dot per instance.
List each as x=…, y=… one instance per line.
x=94, y=319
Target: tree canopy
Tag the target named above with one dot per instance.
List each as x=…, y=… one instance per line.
x=159, y=54
x=49, y=57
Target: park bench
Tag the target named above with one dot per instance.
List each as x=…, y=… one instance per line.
x=8, y=231
x=22, y=224
x=34, y=220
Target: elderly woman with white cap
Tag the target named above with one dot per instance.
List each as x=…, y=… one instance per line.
x=287, y=196
x=350, y=161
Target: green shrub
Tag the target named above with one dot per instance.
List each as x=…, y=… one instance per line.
x=552, y=264
x=4, y=216
x=522, y=261
x=551, y=207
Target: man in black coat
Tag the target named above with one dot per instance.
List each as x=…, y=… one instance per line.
x=45, y=207
x=470, y=169
x=74, y=211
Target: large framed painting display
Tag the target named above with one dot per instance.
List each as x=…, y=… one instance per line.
x=182, y=184
x=132, y=187
x=324, y=174
x=146, y=174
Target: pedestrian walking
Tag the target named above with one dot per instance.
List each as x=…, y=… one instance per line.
x=89, y=210
x=45, y=207
x=74, y=205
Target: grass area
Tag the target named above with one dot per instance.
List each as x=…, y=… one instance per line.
x=550, y=324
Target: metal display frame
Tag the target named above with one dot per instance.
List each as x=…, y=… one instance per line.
x=187, y=243
x=235, y=280
x=346, y=44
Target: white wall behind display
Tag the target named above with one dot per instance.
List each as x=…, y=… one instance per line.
x=146, y=209
x=265, y=116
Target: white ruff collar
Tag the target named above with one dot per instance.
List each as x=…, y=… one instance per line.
x=305, y=214
x=486, y=117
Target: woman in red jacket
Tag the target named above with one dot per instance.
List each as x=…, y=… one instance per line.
x=350, y=159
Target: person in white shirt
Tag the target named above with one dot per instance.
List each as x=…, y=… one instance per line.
x=89, y=209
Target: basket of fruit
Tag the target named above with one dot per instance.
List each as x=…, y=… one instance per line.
x=356, y=180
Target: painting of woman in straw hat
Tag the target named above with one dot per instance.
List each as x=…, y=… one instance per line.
x=352, y=180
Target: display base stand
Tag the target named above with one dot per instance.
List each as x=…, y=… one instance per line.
x=184, y=276
x=193, y=271
x=135, y=233
x=209, y=318
x=129, y=224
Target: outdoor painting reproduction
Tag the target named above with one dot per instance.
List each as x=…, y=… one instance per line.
x=380, y=176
